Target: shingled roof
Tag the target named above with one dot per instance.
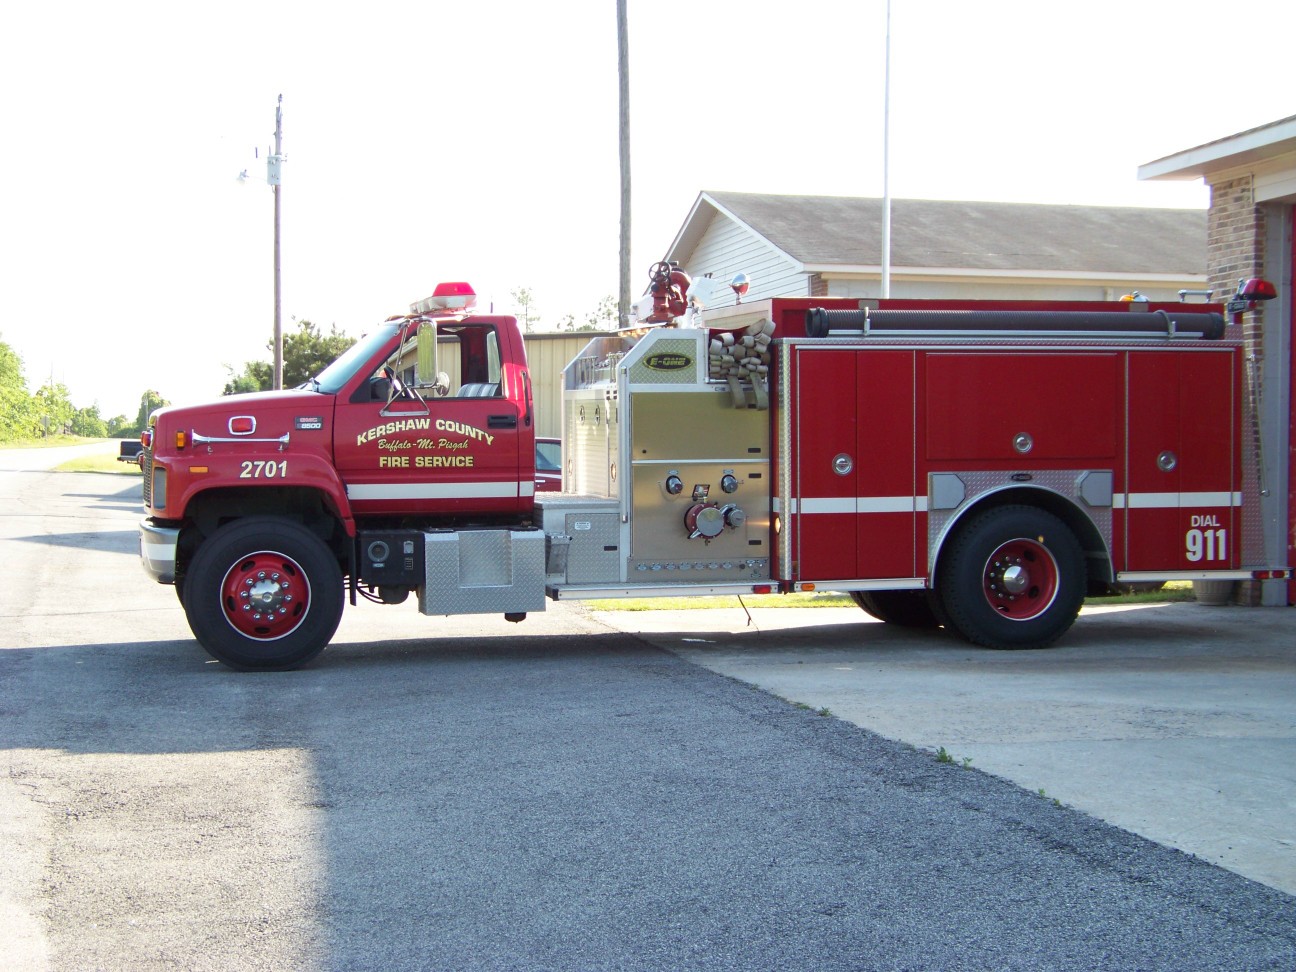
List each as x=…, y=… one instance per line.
x=837, y=233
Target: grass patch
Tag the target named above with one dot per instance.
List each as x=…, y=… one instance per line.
x=815, y=600
x=1173, y=591
x=99, y=464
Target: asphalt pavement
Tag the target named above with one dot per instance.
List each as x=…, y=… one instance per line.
x=465, y=793
x=1176, y=721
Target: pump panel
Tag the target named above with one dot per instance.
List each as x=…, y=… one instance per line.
x=700, y=487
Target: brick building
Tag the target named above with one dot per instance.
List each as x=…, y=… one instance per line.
x=1252, y=178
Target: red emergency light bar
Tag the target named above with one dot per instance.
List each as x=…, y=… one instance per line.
x=454, y=296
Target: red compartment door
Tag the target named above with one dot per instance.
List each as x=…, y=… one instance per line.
x=852, y=431
x=1182, y=486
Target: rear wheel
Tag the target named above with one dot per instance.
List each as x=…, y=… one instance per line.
x=906, y=609
x=263, y=593
x=1013, y=577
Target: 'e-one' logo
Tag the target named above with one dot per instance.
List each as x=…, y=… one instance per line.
x=668, y=362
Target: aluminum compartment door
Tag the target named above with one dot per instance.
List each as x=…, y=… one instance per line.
x=1181, y=499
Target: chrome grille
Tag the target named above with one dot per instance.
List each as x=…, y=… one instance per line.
x=146, y=466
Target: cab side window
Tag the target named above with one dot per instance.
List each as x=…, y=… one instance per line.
x=479, y=361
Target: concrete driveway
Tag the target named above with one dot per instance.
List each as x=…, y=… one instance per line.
x=1174, y=721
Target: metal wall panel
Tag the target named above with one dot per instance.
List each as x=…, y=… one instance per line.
x=547, y=356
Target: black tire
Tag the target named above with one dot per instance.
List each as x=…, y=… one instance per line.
x=905, y=609
x=1012, y=577
x=263, y=594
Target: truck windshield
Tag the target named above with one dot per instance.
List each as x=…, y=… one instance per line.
x=331, y=379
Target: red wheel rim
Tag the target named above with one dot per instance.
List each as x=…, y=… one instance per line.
x=1020, y=579
x=265, y=596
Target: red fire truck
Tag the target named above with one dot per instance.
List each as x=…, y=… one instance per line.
x=976, y=465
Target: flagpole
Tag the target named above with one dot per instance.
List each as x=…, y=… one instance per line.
x=886, y=163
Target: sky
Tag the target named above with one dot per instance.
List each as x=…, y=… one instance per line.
x=478, y=142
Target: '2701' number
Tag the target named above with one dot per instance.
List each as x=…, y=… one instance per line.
x=1206, y=544
x=261, y=469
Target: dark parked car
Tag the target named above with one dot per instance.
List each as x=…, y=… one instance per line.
x=548, y=465
x=131, y=450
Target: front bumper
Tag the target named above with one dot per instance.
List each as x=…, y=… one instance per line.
x=158, y=550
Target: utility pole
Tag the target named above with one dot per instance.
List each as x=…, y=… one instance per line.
x=886, y=163
x=623, y=75
x=274, y=177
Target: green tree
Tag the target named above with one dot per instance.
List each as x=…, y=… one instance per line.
x=54, y=408
x=306, y=352
x=18, y=418
x=87, y=421
x=603, y=317
x=523, y=298
x=150, y=401
x=119, y=425
x=256, y=376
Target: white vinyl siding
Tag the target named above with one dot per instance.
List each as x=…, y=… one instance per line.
x=727, y=248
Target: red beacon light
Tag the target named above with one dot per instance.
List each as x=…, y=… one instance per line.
x=1256, y=289
x=456, y=296
x=1251, y=292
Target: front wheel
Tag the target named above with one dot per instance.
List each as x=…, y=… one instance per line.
x=1013, y=577
x=263, y=594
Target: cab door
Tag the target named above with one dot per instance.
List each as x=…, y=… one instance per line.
x=454, y=454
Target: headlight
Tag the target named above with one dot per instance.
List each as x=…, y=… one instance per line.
x=159, y=487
